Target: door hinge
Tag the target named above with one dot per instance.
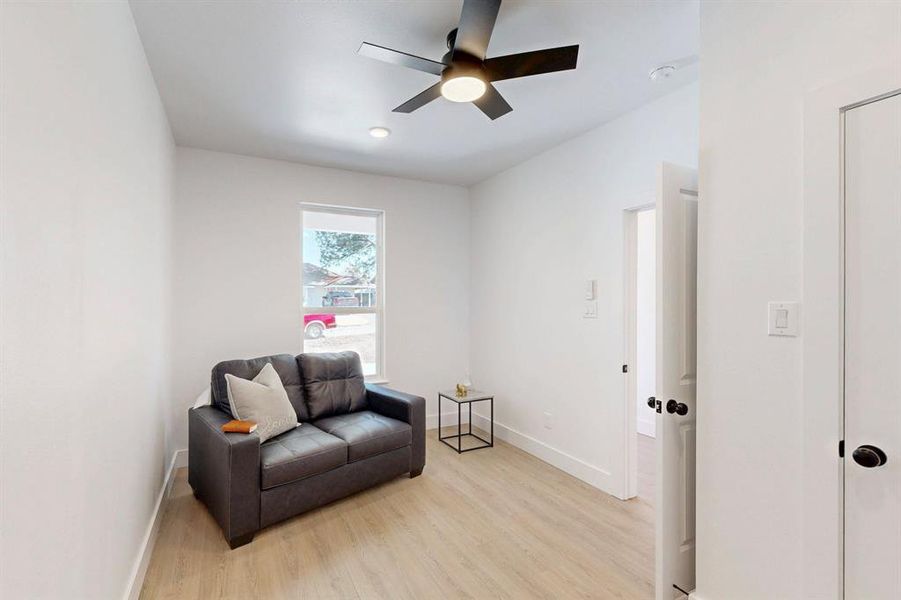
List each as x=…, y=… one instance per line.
x=841, y=448
x=625, y=368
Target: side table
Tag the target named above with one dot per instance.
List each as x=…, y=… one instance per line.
x=469, y=398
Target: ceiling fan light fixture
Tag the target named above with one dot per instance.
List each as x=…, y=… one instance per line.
x=467, y=73
x=465, y=88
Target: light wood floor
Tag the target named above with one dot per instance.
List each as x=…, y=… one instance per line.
x=496, y=523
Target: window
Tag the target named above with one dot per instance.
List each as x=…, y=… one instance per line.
x=342, y=278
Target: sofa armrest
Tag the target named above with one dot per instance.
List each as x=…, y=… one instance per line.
x=224, y=471
x=403, y=407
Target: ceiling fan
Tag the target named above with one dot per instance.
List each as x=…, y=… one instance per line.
x=466, y=74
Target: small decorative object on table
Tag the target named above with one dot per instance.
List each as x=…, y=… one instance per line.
x=469, y=396
x=461, y=390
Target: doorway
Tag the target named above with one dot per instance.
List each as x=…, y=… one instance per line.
x=645, y=372
x=660, y=306
x=639, y=335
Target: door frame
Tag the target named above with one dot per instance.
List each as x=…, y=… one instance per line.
x=823, y=333
x=630, y=345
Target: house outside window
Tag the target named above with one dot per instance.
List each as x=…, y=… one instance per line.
x=342, y=252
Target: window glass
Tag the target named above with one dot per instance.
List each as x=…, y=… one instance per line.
x=340, y=259
x=335, y=333
x=341, y=251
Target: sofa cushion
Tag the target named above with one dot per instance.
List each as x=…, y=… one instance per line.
x=367, y=433
x=333, y=383
x=299, y=453
x=286, y=367
x=262, y=401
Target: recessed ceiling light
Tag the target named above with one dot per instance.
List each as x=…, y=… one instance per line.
x=662, y=72
x=379, y=132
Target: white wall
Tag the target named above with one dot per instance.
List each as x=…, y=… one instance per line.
x=237, y=289
x=646, y=320
x=539, y=230
x=758, y=61
x=86, y=158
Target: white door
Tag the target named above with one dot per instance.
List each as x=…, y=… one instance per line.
x=677, y=276
x=873, y=350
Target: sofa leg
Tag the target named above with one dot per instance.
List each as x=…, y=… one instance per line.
x=241, y=540
x=416, y=473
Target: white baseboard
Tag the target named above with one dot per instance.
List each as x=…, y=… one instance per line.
x=645, y=428
x=139, y=570
x=590, y=474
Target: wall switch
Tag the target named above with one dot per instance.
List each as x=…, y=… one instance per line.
x=783, y=318
x=591, y=309
x=591, y=289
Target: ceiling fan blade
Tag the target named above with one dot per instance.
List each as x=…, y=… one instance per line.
x=420, y=99
x=492, y=103
x=476, y=24
x=531, y=63
x=396, y=57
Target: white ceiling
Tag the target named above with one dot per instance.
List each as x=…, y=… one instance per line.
x=283, y=80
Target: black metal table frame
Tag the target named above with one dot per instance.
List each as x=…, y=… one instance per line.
x=460, y=435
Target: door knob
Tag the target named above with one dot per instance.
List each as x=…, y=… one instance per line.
x=869, y=456
x=680, y=408
x=652, y=402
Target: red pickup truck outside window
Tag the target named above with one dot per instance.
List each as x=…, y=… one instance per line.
x=314, y=325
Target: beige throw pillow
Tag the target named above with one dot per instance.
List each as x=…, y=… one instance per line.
x=263, y=401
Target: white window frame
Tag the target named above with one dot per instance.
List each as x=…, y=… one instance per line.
x=379, y=308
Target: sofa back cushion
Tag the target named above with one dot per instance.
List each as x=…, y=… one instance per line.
x=333, y=383
x=286, y=367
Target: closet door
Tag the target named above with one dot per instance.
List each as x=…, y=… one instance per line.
x=872, y=459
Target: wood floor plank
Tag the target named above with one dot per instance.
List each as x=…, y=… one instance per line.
x=495, y=523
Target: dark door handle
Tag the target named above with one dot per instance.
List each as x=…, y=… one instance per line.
x=652, y=402
x=680, y=408
x=869, y=456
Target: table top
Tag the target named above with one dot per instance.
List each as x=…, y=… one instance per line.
x=471, y=396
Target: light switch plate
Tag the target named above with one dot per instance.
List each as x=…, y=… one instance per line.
x=783, y=318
